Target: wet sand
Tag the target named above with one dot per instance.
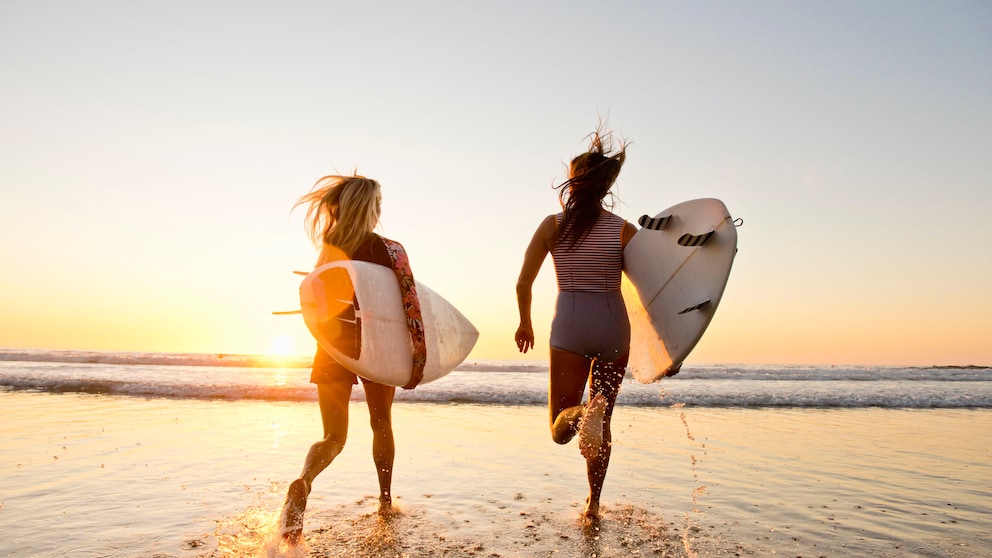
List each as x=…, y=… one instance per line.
x=87, y=475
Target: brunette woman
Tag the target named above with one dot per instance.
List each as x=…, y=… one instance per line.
x=590, y=333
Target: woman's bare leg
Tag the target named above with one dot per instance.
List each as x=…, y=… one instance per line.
x=333, y=399
x=606, y=379
x=568, y=375
x=380, y=401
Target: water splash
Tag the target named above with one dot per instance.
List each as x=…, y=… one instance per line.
x=255, y=533
x=697, y=490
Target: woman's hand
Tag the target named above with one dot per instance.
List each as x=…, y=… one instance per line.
x=525, y=338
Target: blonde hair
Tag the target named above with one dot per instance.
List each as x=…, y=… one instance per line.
x=341, y=211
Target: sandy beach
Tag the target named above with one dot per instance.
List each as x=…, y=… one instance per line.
x=87, y=475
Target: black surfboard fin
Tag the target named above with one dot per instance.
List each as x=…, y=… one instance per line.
x=654, y=223
x=699, y=306
x=691, y=240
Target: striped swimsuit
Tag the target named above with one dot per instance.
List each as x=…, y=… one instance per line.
x=590, y=316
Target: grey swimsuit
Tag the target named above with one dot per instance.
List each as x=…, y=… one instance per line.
x=590, y=315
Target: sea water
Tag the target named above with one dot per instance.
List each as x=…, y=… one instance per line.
x=240, y=377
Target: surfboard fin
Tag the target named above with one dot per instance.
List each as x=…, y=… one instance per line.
x=699, y=306
x=691, y=240
x=654, y=223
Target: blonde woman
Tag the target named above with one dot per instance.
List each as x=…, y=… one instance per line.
x=342, y=212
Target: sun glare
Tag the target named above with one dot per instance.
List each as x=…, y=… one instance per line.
x=281, y=346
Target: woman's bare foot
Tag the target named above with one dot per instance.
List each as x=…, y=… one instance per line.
x=292, y=511
x=592, y=510
x=386, y=509
x=591, y=427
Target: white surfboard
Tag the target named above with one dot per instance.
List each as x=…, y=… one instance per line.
x=677, y=266
x=355, y=312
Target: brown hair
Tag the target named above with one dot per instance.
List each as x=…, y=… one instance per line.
x=591, y=175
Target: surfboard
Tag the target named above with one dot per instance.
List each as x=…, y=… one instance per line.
x=677, y=266
x=355, y=312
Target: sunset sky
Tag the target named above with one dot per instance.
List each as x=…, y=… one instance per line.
x=151, y=152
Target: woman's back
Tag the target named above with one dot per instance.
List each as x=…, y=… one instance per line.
x=594, y=264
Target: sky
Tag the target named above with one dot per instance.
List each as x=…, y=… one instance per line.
x=151, y=154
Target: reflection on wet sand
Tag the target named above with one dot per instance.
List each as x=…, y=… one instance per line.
x=506, y=530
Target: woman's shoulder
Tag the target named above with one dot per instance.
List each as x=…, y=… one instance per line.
x=619, y=222
x=549, y=225
x=375, y=249
x=552, y=220
x=612, y=217
x=386, y=243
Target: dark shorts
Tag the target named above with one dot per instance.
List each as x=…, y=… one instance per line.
x=326, y=370
x=591, y=324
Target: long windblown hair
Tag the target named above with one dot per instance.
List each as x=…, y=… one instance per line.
x=341, y=211
x=591, y=175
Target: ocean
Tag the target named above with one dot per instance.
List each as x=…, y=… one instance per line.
x=189, y=455
x=241, y=377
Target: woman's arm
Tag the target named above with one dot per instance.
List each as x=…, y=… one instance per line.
x=411, y=305
x=629, y=230
x=537, y=251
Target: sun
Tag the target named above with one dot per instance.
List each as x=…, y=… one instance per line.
x=282, y=345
